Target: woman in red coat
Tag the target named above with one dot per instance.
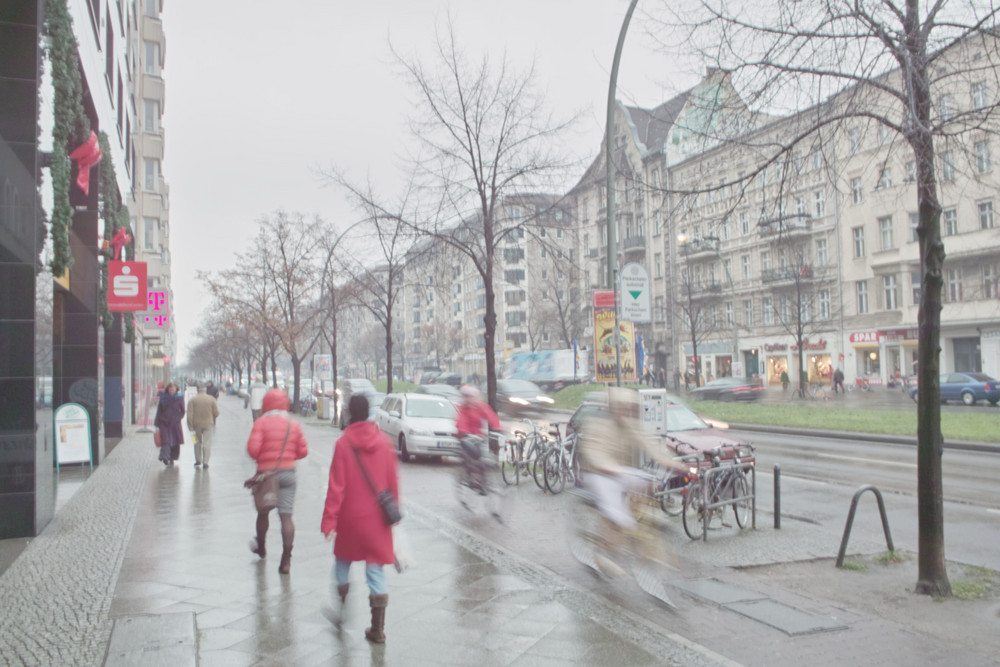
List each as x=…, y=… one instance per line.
x=268, y=447
x=352, y=516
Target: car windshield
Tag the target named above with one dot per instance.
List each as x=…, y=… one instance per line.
x=980, y=377
x=519, y=387
x=680, y=418
x=440, y=408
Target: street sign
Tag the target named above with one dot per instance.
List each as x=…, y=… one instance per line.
x=127, y=282
x=635, y=300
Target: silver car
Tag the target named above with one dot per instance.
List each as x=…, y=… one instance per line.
x=419, y=424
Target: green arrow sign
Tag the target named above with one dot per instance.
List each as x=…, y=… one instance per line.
x=635, y=293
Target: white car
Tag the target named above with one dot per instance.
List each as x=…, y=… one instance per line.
x=419, y=424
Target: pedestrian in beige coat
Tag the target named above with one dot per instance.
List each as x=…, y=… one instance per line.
x=202, y=411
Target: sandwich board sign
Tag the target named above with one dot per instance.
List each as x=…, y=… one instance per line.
x=72, y=434
x=635, y=300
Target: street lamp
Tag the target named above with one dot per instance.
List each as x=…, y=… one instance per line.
x=714, y=241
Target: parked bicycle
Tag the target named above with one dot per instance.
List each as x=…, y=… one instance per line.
x=716, y=487
x=561, y=464
x=521, y=456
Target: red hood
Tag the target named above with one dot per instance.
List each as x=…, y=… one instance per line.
x=702, y=440
x=364, y=436
x=276, y=399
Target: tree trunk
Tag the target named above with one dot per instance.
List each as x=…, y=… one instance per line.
x=388, y=349
x=932, y=577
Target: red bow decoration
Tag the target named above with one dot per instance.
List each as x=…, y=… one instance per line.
x=86, y=155
x=120, y=238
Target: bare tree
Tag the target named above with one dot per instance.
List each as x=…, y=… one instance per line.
x=485, y=137
x=883, y=62
x=694, y=304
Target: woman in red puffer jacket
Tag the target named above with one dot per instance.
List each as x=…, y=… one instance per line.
x=268, y=447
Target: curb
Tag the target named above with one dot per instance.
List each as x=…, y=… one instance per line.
x=911, y=441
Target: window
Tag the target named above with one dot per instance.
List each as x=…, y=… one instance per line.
x=914, y=219
x=911, y=171
x=861, y=288
x=883, y=135
x=817, y=159
x=745, y=223
x=762, y=177
x=990, y=287
x=858, y=234
x=915, y=287
x=855, y=135
x=824, y=304
x=658, y=262
x=856, y=191
x=545, y=274
x=559, y=232
x=786, y=309
x=416, y=317
x=148, y=233
x=982, y=151
x=800, y=205
x=819, y=203
x=949, y=217
x=765, y=261
x=745, y=259
x=151, y=7
x=948, y=166
x=151, y=171
x=945, y=107
x=658, y=309
x=884, y=179
x=725, y=231
x=729, y=314
x=768, y=310
x=748, y=313
x=152, y=60
x=150, y=115
x=979, y=95
x=655, y=178
x=657, y=224
x=109, y=54
x=885, y=230
x=985, y=214
x=889, y=292
x=954, y=285
x=821, y=254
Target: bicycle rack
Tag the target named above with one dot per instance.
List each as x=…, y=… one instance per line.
x=716, y=470
x=850, y=521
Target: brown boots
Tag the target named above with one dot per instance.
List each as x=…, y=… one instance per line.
x=376, y=633
x=285, y=566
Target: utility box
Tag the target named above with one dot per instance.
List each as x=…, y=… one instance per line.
x=653, y=410
x=323, y=407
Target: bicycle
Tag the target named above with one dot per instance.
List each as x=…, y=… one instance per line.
x=561, y=463
x=521, y=455
x=817, y=392
x=728, y=487
x=475, y=482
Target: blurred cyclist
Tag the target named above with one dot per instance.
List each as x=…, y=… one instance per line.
x=472, y=414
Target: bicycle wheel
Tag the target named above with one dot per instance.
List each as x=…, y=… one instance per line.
x=741, y=489
x=692, y=512
x=510, y=470
x=554, y=472
x=820, y=394
x=672, y=504
x=538, y=468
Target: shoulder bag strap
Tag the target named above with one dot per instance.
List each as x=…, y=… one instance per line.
x=283, y=445
x=364, y=472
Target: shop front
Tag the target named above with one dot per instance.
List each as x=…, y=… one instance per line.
x=776, y=363
x=714, y=360
x=816, y=360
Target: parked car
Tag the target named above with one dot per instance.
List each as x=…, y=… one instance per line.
x=728, y=389
x=419, y=424
x=517, y=397
x=966, y=387
x=446, y=390
x=427, y=376
x=453, y=379
x=348, y=388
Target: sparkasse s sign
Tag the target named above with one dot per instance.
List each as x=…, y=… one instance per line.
x=126, y=286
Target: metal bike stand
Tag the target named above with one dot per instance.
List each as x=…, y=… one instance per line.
x=850, y=521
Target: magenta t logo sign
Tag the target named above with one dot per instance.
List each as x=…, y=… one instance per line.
x=157, y=299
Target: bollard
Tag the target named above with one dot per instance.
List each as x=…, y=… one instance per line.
x=777, y=497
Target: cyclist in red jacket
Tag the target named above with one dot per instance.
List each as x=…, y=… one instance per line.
x=469, y=424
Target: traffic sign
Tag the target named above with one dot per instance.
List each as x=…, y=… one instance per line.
x=635, y=300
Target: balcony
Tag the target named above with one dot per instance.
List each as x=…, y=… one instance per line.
x=786, y=226
x=699, y=248
x=786, y=274
x=633, y=243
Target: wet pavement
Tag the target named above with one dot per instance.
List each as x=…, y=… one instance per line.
x=150, y=565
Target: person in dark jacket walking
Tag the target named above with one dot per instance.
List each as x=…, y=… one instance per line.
x=352, y=517
x=169, y=413
x=212, y=390
x=276, y=443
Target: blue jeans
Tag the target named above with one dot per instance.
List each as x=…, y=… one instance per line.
x=373, y=573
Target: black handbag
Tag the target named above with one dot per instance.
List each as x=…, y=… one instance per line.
x=390, y=510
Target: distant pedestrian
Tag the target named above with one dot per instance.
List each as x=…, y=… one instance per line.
x=257, y=391
x=677, y=380
x=169, y=413
x=838, y=381
x=364, y=463
x=276, y=443
x=202, y=411
x=784, y=380
x=212, y=390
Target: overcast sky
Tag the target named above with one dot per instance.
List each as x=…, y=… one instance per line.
x=260, y=94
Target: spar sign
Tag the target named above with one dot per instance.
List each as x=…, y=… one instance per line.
x=126, y=286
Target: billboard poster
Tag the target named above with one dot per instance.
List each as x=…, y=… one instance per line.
x=323, y=367
x=605, y=340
